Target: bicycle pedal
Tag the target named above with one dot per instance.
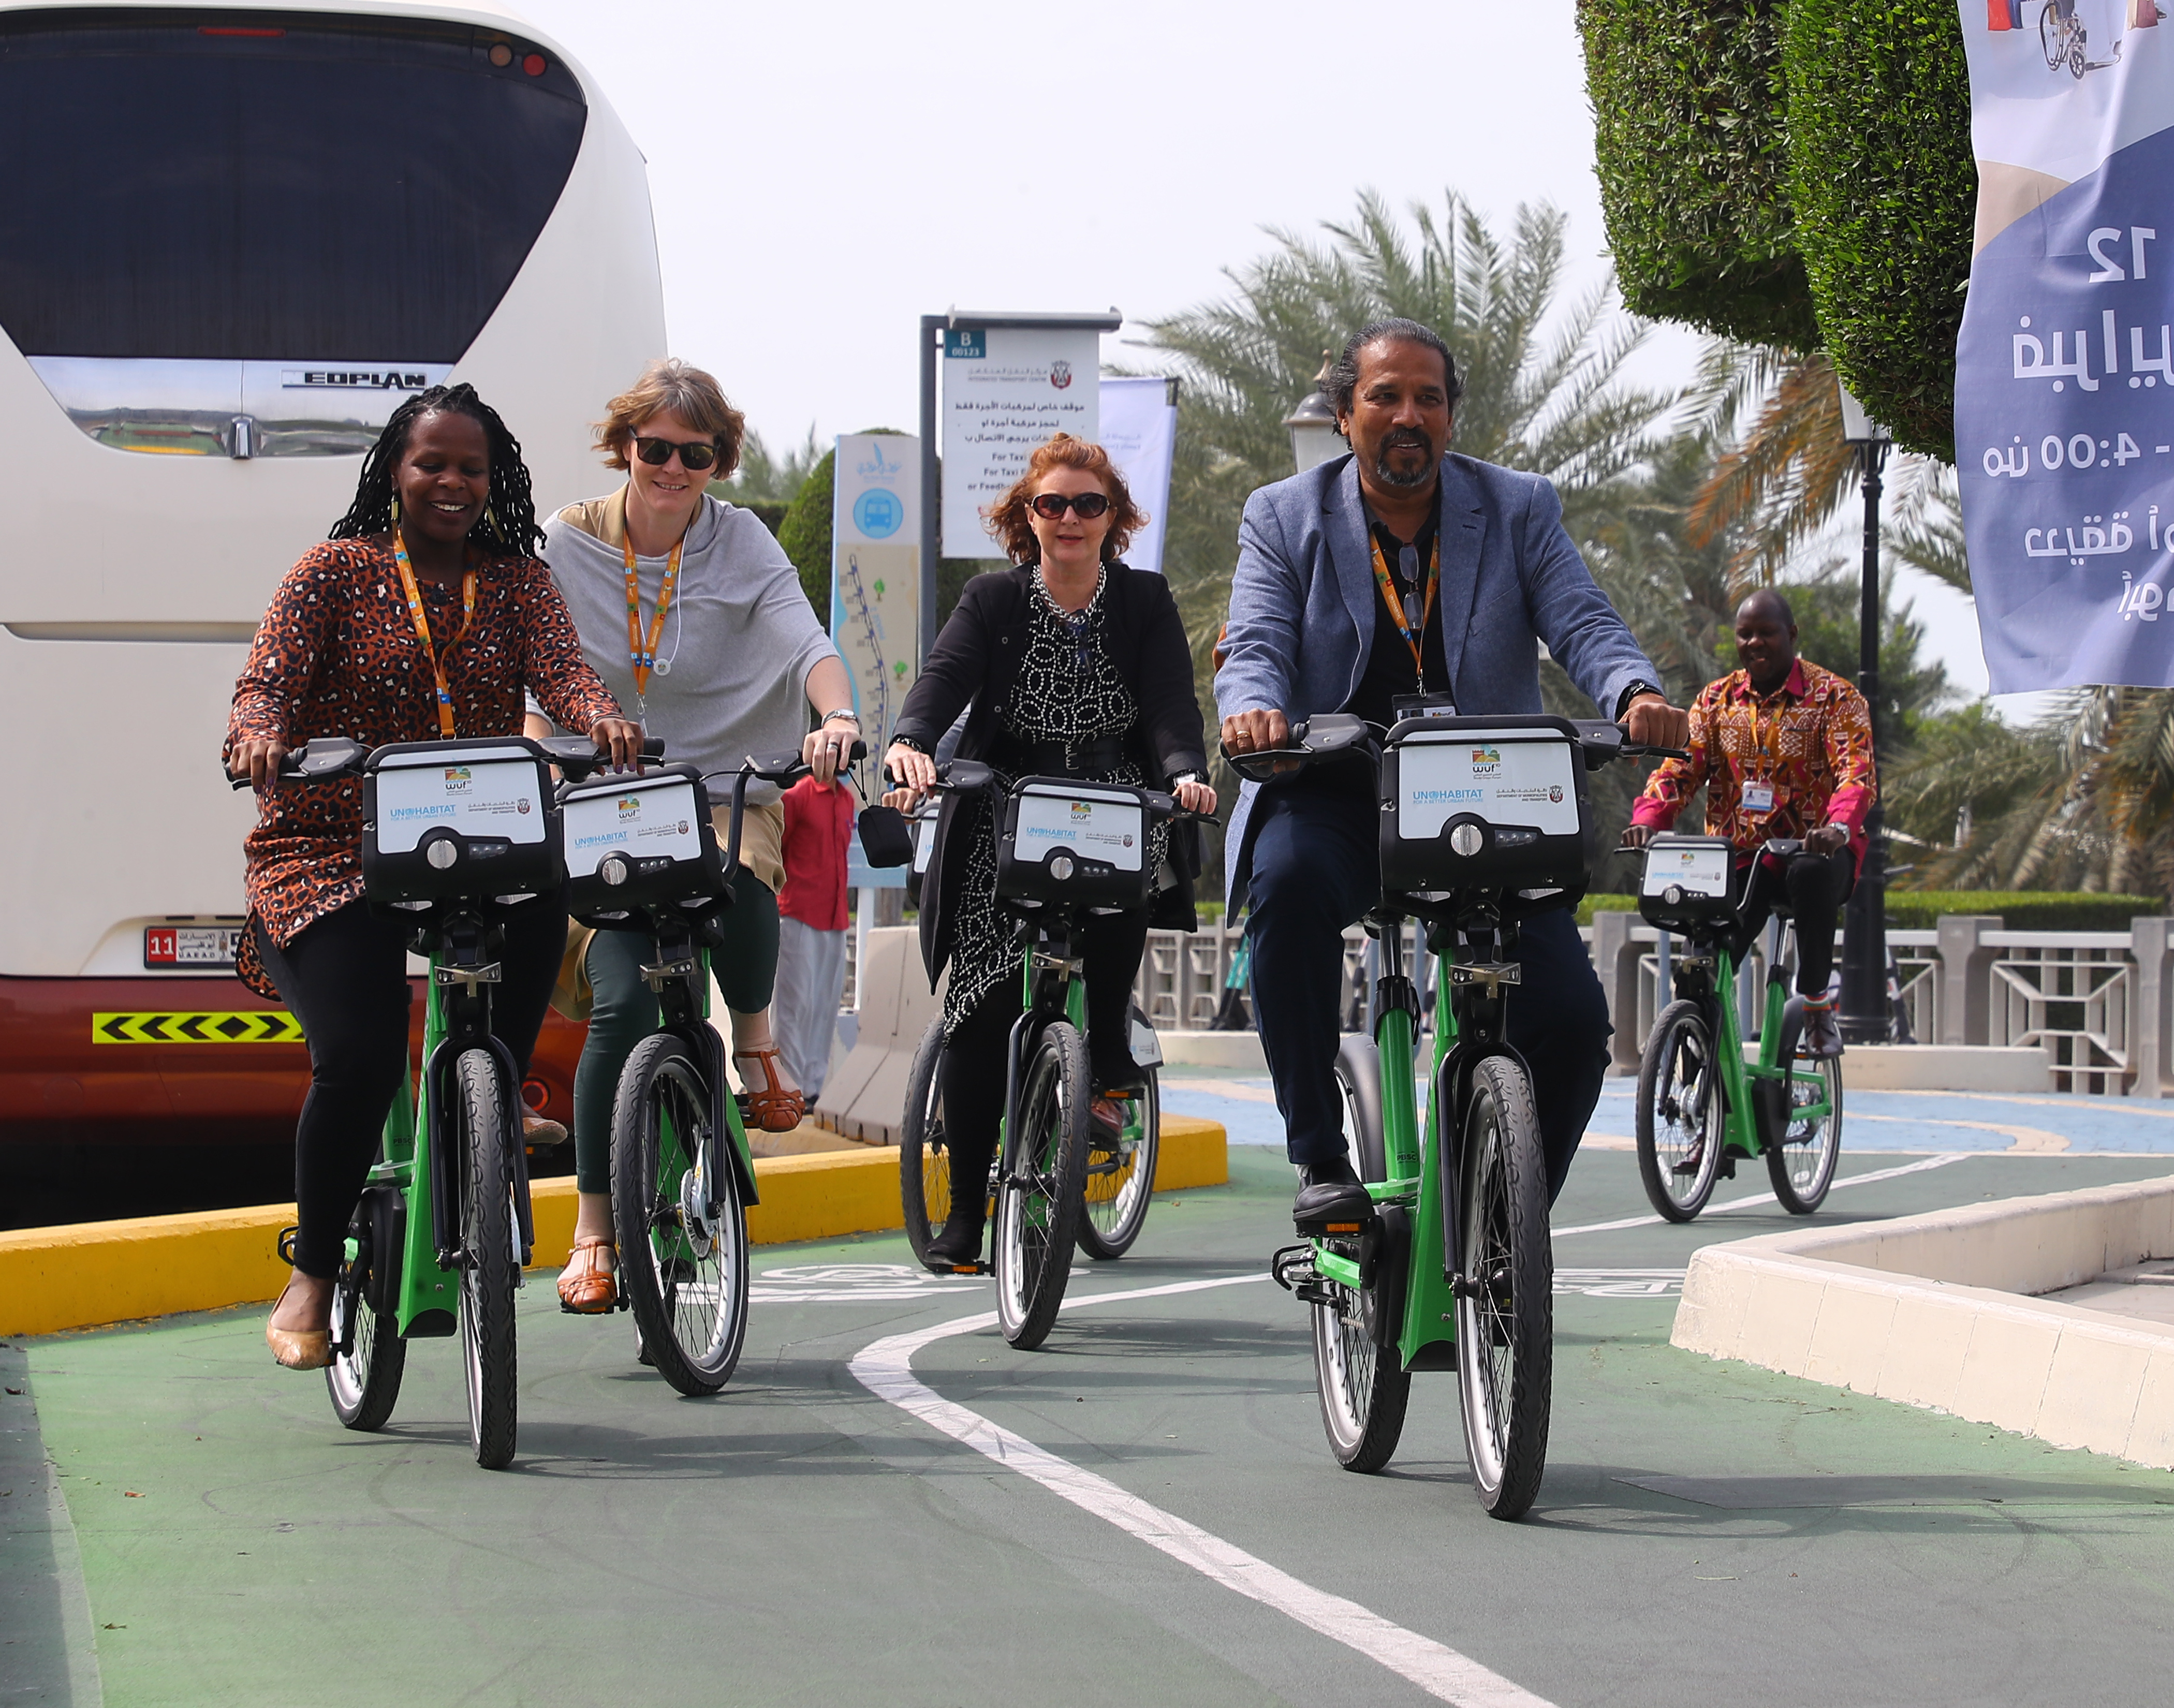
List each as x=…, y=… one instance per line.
x=1338, y=1224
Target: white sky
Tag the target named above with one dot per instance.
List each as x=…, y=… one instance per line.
x=824, y=174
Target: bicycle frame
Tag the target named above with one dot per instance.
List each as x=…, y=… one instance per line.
x=1749, y=1129
x=681, y=980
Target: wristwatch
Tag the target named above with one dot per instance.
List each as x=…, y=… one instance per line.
x=842, y=711
x=907, y=741
x=1623, y=699
x=1187, y=777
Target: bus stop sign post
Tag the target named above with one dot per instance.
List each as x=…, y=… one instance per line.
x=933, y=328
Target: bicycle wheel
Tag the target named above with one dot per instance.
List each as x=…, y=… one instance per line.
x=924, y=1160
x=1038, y=1201
x=490, y=1265
x=364, y=1379
x=1680, y=1113
x=683, y=1250
x=1120, y=1178
x=2053, y=39
x=1364, y=1387
x=1505, y=1305
x=1803, y=1165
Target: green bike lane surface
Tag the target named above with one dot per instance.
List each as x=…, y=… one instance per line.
x=1707, y=1533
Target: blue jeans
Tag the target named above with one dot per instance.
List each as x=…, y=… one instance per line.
x=1315, y=870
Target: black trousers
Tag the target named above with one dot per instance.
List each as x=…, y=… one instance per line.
x=1815, y=885
x=1316, y=869
x=973, y=1067
x=345, y=976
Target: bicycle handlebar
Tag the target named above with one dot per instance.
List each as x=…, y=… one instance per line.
x=972, y=777
x=1331, y=735
x=782, y=769
x=325, y=756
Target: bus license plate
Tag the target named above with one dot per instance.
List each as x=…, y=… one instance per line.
x=190, y=945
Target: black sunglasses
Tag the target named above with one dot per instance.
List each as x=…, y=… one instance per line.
x=693, y=457
x=1050, y=505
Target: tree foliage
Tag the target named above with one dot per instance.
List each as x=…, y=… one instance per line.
x=1689, y=104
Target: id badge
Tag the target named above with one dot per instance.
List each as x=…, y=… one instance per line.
x=1758, y=797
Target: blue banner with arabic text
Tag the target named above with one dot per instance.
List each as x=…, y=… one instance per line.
x=2064, y=367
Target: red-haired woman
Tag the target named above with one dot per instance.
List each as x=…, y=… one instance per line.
x=1074, y=665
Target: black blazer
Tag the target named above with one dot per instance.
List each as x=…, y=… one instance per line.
x=976, y=659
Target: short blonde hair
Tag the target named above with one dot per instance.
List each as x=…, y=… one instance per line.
x=695, y=396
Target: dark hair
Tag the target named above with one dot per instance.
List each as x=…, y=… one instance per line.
x=1007, y=518
x=1772, y=597
x=508, y=526
x=1342, y=383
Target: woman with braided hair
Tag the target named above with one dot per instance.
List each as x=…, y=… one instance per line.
x=423, y=617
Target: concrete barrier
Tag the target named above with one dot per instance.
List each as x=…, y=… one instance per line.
x=865, y=1094
x=101, y=1272
x=1938, y=1310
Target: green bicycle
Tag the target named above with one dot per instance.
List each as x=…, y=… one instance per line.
x=1702, y=1105
x=454, y=833
x=1060, y=1178
x=1485, y=822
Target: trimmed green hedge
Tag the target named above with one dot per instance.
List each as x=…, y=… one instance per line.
x=2025, y=909
x=805, y=533
x=2019, y=910
x=1688, y=110
x=1885, y=193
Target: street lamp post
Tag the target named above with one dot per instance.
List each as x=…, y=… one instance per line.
x=1864, y=1018
x=1312, y=425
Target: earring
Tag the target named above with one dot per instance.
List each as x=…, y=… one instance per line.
x=396, y=512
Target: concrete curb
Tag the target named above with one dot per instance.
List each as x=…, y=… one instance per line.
x=1935, y=1311
x=101, y=1272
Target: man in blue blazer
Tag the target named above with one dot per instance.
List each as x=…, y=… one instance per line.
x=1395, y=571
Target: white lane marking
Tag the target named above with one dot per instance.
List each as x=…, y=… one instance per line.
x=1863, y=1180
x=886, y=1369
x=1620, y=1284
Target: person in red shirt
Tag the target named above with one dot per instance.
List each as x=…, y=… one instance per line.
x=811, y=929
x=1783, y=750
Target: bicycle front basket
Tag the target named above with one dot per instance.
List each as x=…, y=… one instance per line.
x=1080, y=843
x=643, y=841
x=1483, y=804
x=449, y=819
x=1686, y=882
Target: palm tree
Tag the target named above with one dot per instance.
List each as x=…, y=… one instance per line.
x=1544, y=385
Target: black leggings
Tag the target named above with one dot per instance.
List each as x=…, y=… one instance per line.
x=345, y=977
x=1816, y=885
x=974, y=1054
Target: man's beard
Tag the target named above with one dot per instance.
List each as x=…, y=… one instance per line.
x=1419, y=476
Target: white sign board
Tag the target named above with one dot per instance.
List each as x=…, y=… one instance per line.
x=1007, y=390
x=1139, y=430
x=1494, y=777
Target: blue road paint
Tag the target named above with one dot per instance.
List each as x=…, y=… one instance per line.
x=1873, y=1121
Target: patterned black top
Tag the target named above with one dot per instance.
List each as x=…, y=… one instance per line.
x=1067, y=690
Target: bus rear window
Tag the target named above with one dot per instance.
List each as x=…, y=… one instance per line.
x=193, y=184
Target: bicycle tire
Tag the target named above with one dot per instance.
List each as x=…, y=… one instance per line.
x=365, y=1381
x=1505, y=1310
x=682, y=1245
x=489, y=1265
x=1038, y=1203
x=1117, y=1192
x=1803, y=1165
x=1681, y=1117
x=924, y=1159
x=1364, y=1388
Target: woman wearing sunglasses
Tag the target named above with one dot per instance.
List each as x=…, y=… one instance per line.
x=1075, y=665
x=694, y=616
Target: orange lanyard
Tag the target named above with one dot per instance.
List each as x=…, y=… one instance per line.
x=422, y=628
x=1414, y=638
x=643, y=657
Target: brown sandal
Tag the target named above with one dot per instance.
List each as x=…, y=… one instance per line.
x=776, y=1110
x=586, y=1286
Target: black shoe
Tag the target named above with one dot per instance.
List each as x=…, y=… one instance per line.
x=1119, y=1075
x=1821, y=1038
x=1330, y=1192
x=958, y=1246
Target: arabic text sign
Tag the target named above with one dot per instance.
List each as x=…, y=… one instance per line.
x=1006, y=390
x=2064, y=367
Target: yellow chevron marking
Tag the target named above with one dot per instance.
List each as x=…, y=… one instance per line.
x=245, y=1026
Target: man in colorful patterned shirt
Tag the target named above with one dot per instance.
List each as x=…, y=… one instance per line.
x=1783, y=750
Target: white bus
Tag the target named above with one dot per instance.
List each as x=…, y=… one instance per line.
x=232, y=238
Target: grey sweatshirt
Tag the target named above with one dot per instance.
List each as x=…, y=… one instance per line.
x=738, y=643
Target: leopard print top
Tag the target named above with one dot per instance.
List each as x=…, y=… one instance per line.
x=337, y=654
